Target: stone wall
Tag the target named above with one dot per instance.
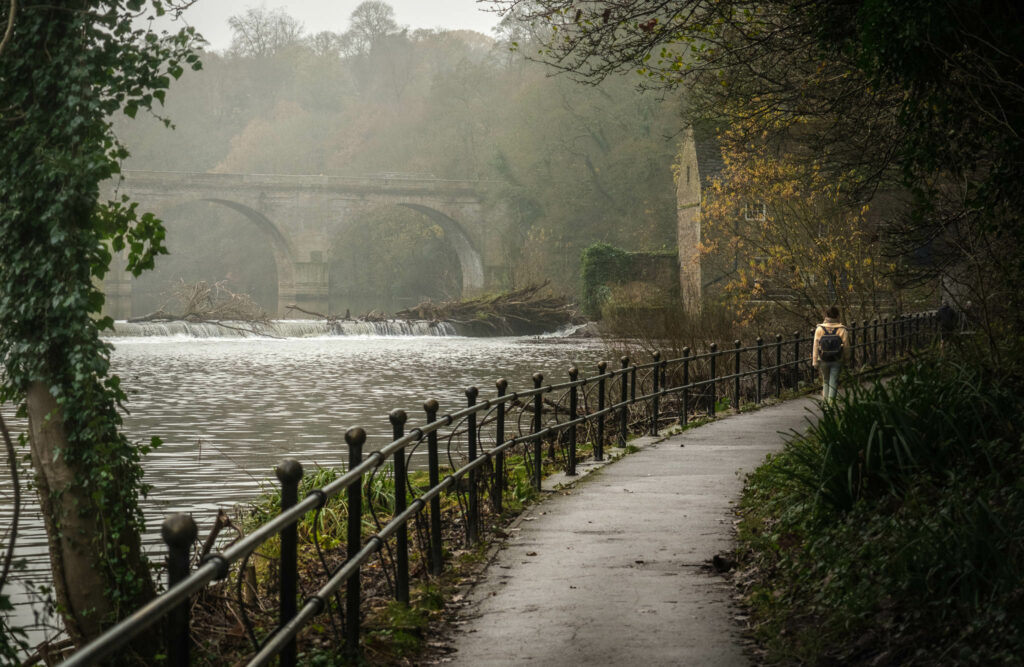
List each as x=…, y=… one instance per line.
x=700, y=160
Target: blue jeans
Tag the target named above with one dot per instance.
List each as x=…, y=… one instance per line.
x=829, y=379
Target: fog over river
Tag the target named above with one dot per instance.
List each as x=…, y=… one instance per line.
x=229, y=408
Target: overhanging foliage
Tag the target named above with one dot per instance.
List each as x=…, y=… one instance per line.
x=66, y=68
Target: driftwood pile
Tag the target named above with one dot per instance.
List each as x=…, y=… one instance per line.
x=525, y=311
x=202, y=302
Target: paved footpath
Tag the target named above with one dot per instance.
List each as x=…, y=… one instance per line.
x=612, y=571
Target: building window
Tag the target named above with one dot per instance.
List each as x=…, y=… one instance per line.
x=755, y=212
x=687, y=174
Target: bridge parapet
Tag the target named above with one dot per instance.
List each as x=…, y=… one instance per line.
x=384, y=183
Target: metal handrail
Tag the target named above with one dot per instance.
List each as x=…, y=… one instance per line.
x=179, y=532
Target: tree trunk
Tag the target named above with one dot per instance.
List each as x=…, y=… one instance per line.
x=78, y=580
x=74, y=527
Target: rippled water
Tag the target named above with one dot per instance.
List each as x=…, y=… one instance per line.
x=228, y=409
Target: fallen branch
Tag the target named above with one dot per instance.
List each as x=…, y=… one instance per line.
x=203, y=303
x=329, y=318
x=525, y=310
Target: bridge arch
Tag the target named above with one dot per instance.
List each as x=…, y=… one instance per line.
x=284, y=254
x=470, y=260
x=120, y=287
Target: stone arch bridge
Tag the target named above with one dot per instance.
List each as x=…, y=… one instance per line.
x=301, y=215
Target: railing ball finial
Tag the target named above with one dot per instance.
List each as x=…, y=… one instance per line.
x=179, y=531
x=573, y=373
x=355, y=436
x=472, y=393
x=431, y=405
x=288, y=471
x=397, y=417
x=656, y=355
x=602, y=366
x=624, y=361
x=713, y=347
x=501, y=384
x=538, y=378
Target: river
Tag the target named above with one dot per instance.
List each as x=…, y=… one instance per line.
x=228, y=407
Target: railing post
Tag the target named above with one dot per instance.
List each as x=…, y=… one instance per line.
x=498, y=482
x=796, y=360
x=601, y=387
x=711, y=380
x=655, y=402
x=760, y=365
x=398, y=419
x=289, y=472
x=853, y=343
x=179, y=532
x=574, y=394
x=473, y=526
x=865, y=346
x=632, y=384
x=684, y=401
x=433, y=477
x=355, y=438
x=885, y=339
x=778, y=365
x=874, y=343
x=538, y=405
x=624, y=410
x=736, y=380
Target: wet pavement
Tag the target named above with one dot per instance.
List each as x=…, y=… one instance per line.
x=612, y=570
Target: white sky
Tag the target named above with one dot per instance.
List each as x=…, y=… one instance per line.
x=210, y=17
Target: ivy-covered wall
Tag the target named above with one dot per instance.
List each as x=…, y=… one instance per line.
x=603, y=267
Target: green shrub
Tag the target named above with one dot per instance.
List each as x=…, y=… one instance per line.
x=601, y=265
x=925, y=421
x=893, y=533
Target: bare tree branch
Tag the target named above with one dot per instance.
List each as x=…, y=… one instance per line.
x=10, y=27
x=12, y=458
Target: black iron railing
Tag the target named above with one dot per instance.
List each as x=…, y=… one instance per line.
x=476, y=440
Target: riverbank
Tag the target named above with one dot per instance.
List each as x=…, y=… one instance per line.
x=893, y=533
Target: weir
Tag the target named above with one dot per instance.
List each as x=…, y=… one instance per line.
x=282, y=329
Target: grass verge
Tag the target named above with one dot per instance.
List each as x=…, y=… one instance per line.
x=893, y=533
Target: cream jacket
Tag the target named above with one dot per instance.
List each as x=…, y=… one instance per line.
x=819, y=331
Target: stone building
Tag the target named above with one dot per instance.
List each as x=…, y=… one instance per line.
x=700, y=160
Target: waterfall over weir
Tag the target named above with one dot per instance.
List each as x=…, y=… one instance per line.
x=281, y=329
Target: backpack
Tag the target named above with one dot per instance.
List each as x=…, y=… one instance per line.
x=830, y=345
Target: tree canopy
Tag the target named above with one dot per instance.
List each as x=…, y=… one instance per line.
x=921, y=97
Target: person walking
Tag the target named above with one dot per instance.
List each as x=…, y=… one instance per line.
x=831, y=346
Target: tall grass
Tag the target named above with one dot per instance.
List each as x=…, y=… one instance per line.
x=893, y=532
x=926, y=421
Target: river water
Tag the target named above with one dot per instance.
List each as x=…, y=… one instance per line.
x=229, y=407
